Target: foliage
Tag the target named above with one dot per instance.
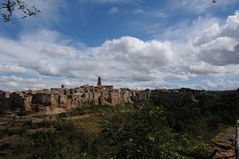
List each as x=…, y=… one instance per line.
x=66, y=142
x=97, y=109
x=181, y=128
x=203, y=118
x=148, y=136
x=8, y=7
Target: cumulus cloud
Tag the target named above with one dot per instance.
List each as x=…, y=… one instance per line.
x=137, y=53
x=126, y=61
x=126, y=58
x=221, y=46
x=46, y=68
x=57, y=51
x=123, y=60
x=138, y=60
x=202, y=68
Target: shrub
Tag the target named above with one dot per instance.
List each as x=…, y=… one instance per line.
x=147, y=135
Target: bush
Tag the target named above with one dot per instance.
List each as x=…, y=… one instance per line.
x=147, y=135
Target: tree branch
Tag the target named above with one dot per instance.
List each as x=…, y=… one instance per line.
x=8, y=7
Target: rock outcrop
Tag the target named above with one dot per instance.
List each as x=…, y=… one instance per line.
x=62, y=98
x=56, y=99
x=224, y=145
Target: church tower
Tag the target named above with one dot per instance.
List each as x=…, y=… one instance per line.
x=99, y=82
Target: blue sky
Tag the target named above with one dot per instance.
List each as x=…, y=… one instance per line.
x=130, y=43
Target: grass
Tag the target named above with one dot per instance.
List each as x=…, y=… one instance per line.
x=100, y=109
x=91, y=125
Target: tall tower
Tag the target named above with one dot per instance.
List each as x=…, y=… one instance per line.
x=99, y=81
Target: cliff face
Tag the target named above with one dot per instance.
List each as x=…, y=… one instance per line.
x=61, y=98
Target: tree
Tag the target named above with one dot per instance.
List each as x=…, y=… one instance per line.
x=8, y=7
x=147, y=135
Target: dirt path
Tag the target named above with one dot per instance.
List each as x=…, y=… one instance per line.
x=224, y=145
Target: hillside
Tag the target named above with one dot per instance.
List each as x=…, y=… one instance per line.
x=168, y=124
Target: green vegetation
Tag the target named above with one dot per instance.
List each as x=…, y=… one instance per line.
x=147, y=135
x=210, y=114
x=92, y=109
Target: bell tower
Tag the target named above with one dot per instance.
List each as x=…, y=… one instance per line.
x=99, y=81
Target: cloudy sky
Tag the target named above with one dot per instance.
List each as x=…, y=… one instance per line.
x=129, y=43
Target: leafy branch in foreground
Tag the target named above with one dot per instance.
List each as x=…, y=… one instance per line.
x=8, y=7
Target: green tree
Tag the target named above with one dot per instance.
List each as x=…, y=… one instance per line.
x=148, y=136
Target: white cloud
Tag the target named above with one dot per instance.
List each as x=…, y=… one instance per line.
x=114, y=10
x=109, y=1
x=209, y=84
x=126, y=58
x=13, y=83
x=187, y=30
x=12, y=69
x=46, y=68
x=221, y=84
x=57, y=51
x=222, y=46
x=138, y=11
x=136, y=57
x=201, y=6
x=202, y=68
x=151, y=13
x=50, y=13
x=209, y=49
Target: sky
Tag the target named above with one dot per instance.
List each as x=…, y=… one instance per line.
x=138, y=44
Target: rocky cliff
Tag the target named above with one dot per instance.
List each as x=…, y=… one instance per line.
x=62, y=98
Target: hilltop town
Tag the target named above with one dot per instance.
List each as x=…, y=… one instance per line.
x=61, y=99
x=57, y=99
